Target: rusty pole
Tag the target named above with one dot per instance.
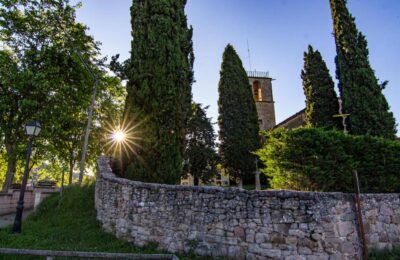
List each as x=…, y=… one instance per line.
x=359, y=214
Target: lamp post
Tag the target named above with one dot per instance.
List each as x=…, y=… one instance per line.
x=32, y=129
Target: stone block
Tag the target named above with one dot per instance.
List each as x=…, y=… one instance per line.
x=235, y=252
x=396, y=219
x=250, y=238
x=276, y=238
x=239, y=232
x=347, y=248
x=295, y=257
x=291, y=240
x=385, y=210
x=345, y=228
x=337, y=256
x=304, y=250
x=282, y=228
x=296, y=233
x=272, y=253
x=260, y=238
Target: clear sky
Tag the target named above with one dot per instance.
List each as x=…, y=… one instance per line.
x=278, y=32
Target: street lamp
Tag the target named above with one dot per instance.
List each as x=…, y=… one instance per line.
x=32, y=129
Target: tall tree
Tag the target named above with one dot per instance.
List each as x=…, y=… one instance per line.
x=159, y=90
x=39, y=73
x=359, y=88
x=200, y=155
x=321, y=99
x=238, y=121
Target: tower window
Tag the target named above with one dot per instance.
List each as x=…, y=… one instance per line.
x=257, y=91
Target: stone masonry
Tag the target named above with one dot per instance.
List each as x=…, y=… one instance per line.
x=239, y=224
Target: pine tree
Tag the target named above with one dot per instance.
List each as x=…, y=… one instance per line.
x=321, y=99
x=359, y=89
x=238, y=121
x=200, y=155
x=159, y=90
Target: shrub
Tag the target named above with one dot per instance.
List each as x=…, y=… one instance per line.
x=313, y=159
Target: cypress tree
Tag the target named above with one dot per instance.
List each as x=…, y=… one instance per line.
x=238, y=120
x=359, y=88
x=318, y=86
x=159, y=90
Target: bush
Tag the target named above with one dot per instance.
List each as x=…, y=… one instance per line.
x=313, y=159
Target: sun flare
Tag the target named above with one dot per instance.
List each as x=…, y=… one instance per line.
x=119, y=136
x=124, y=138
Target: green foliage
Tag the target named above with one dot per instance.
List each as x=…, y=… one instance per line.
x=313, y=159
x=238, y=122
x=360, y=92
x=321, y=99
x=200, y=156
x=43, y=78
x=159, y=89
x=3, y=166
x=393, y=254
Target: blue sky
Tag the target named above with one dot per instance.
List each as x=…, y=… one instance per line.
x=278, y=32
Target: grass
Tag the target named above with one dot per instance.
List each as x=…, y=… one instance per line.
x=386, y=254
x=68, y=223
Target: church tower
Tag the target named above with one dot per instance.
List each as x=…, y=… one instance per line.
x=261, y=86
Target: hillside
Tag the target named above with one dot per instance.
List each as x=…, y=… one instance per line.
x=66, y=223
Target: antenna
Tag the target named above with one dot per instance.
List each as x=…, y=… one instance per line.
x=248, y=50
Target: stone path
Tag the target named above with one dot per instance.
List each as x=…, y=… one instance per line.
x=9, y=219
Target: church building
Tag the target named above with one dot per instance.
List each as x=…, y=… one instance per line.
x=261, y=84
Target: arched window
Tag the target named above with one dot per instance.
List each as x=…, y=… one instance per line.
x=257, y=91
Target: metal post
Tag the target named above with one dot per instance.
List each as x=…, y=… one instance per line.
x=82, y=166
x=20, y=206
x=359, y=214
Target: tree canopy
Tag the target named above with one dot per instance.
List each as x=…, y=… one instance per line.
x=238, y=121
x=159, y=90
x=319, y=89
x=359, y=88
x=42, y=76
x=200, y=156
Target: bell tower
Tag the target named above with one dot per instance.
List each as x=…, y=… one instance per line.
x=261, y=86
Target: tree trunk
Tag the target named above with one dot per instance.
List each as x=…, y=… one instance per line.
x=195, y=181
x=11, y=166
x=71, y=171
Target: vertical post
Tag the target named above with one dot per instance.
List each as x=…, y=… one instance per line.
x=343, y=116
x=359, y=214
x=85, y=142
x=257, y=173
x=62, y=180
x=20, y=206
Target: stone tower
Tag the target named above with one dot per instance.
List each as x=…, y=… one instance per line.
x=261, y=86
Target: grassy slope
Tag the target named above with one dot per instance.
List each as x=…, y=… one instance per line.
x=67, y=223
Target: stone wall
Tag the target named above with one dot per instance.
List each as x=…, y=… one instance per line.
x=242, y=224
x=8, y=201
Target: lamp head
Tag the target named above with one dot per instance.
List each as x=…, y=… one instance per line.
x=33, y=128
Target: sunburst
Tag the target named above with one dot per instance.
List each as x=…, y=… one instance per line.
x=123, y=138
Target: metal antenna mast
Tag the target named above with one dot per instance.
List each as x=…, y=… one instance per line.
x=248, y=50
